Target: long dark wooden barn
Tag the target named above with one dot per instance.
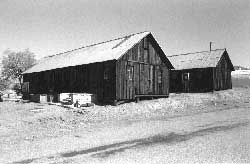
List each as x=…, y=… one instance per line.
x=201, y=71
x=126, y=68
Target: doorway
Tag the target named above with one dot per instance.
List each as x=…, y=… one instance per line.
x=186, y=81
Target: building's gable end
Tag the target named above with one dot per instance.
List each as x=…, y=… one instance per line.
x=141, y=71
x=160, y=52
x=229, y=60
x=148, y=51
x=225, y=59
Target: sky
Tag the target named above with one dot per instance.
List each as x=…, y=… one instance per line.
x=49, y=27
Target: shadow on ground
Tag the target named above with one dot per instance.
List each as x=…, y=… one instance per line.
x=25, y=161
x=170, y=138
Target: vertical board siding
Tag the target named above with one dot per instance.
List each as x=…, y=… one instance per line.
x=77, y=79
x=147, y=64
x=203, y=79
x=222, y=75
x=135, y=73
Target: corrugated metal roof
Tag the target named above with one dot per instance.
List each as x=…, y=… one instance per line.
x=202, y=59
x=104, y=51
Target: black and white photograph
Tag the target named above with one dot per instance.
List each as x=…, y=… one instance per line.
x=124, y=81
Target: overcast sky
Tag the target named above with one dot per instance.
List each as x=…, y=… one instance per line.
x=48, y=27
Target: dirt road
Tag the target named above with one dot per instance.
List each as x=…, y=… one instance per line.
x=221, y=136
x=184, y=128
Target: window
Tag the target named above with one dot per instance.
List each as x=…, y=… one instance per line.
x=130, y=72
x=159, y=80
x=185, y=77
x=150, y=77
x=159, y=77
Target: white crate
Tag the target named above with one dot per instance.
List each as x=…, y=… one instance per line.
x=63, y=96
x=41, y=98
x=81, y=98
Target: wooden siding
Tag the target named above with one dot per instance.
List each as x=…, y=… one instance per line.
x=141, y=72
x=78, y=79
x=222, y=74
x=203, y=79
x=200, y=80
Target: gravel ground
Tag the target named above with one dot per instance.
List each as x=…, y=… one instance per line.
x=215, y=137
x=32, y=130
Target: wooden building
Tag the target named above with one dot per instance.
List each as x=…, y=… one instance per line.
x=126, y=68
x=201, y=71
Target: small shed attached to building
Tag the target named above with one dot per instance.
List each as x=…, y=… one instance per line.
x=201, y=71
x=121, y=69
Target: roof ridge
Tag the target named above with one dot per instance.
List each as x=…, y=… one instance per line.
x=196, y=52
x=96, y=44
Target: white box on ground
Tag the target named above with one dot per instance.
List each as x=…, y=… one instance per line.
x=63, y=96
x=41, y=98
x=81, y=98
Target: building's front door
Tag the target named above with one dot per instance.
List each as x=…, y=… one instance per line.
x=185, y=81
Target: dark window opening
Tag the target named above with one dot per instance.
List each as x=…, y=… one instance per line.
x=159, y=76
x=130, y=72
x=186, y=76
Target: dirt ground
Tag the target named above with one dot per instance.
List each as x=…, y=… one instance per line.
x=31, y=132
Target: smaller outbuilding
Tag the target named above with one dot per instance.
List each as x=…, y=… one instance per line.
x=201, y=71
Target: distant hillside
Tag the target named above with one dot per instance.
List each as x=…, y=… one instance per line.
x=241, y=68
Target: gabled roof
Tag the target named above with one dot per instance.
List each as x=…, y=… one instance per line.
x=202, y=59
x=104, y=51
